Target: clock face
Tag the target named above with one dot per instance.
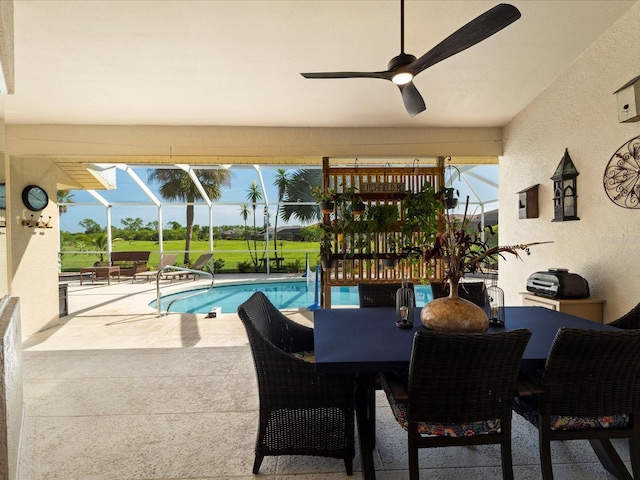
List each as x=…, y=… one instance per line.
x=34, y=198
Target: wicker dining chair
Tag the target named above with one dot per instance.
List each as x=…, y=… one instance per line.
x=301, y=412
x=630, y=320
x=472, y=291
x=379, y=294
x=591, y=390
x=460, y=391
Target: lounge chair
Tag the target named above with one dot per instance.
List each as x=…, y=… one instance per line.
x=167, y=259
x=199, y=264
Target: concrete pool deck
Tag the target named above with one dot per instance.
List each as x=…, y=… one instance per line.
x=116, y=393
x=119, y=316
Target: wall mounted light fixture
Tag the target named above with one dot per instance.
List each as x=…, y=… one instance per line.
x=39, y=223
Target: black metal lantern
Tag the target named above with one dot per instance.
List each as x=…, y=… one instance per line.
x=565, y=191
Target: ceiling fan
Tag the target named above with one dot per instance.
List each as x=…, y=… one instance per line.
x=402, y=68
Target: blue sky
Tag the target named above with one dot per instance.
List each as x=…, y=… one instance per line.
x=130, y=193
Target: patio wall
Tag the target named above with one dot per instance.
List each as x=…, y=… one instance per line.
x=11, y=393
x=579, y=112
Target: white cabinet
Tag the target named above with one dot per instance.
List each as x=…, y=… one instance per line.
x=589, y=308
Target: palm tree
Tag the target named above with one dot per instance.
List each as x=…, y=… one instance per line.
x=64, y=197
x=281, y=181
x=244, y=213
x=254, y=195
x=299, y=187
x=176, y=184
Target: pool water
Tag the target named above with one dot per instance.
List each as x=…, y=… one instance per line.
x=282, y=294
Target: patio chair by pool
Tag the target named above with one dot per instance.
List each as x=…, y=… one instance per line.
x=199, y=264
x=301, y=412
x=167, y=259
x=590, y=390
x=460, y=391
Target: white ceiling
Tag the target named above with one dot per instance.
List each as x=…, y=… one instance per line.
x=238, y=62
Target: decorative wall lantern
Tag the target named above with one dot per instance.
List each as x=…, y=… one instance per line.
x=565, y=192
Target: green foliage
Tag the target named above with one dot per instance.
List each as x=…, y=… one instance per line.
x=421, y=222
x=90, y=226
x=218, y=264
x=133, y=224
x=299, y=187
x=323, y=194
x=294, y=267
x=230, y=251
x=311, y=233
x=381, y=217
x=244, y=267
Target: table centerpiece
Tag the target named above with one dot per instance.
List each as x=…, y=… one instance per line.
x=462, y=251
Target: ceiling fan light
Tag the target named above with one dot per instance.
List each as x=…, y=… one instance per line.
x=402, y=78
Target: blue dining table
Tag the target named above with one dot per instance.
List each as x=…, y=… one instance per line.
x=365, y=341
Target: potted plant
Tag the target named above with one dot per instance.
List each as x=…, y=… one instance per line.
x=326, y=262
x=380, y=218
x=351, y=202
x=357, y=206
x=448, y=197
x=421, y=212
x=462, y=251
x=325, y=198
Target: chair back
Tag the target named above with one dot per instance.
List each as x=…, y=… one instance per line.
x=464, y=377
x=472, y=291
x=265, y=323
x=202, y=261
x=629, y=320
x=167, y=259
x=592, y=373
x=379, y=294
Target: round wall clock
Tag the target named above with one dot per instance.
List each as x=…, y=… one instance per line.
x=622, y=175
x=34, y=198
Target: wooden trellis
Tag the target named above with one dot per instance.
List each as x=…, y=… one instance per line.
x=365, y=257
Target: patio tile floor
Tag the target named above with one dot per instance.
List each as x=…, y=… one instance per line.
x=115, y=393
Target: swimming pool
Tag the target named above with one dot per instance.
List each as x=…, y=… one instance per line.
x=292, y=294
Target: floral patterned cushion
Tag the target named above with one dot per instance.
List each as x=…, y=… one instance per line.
x=309, y=356
x=527, y=407
x=399, y=409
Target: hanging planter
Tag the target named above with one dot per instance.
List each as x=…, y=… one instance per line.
x=448, y=198
x=325, y=199
x=389, y=263
x=357, y=207
x=327, y=206
x=328, y=264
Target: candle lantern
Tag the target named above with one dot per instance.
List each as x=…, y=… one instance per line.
x=405, y=305
x=565, y=192
x=494, y=305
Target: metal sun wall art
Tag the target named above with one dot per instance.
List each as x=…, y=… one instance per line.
x=622, y=175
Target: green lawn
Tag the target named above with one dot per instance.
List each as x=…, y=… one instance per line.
x=231, y=251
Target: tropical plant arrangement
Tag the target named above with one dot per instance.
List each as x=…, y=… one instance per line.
x=422, y=210
x=379, y=220
x=462, y=251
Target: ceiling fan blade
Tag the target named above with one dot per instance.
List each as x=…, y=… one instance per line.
x=412, y=99
x=477, y=30
x=382, y=75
